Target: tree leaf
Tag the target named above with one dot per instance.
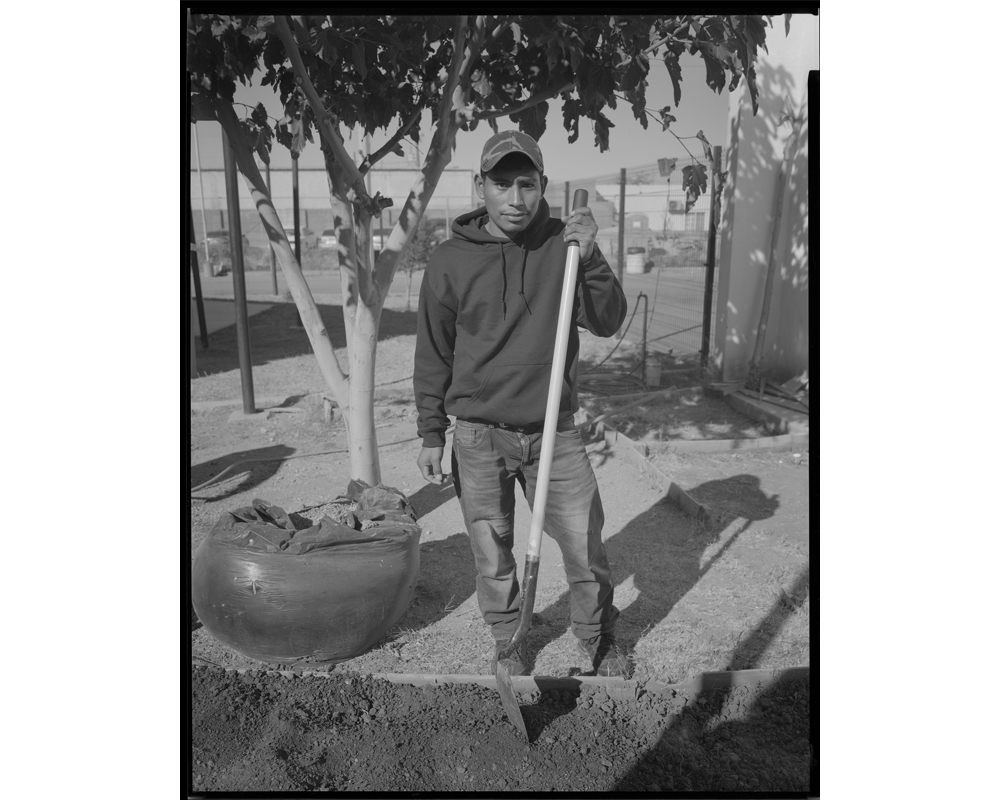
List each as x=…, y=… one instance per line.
x=637, y=70
x=788, y=23
x=602, y=133
x=261, y=147
x=695, y=183
x=673, y=65
x=756, y=32
x=667, y=117
x=571, y=118
x=715, y=72
x=751, y=77
x=259, y=114
x=532, y=120
x=705, y=145
x=359, y=59
x=298, y=133
x=481, y=83
x=265, y=22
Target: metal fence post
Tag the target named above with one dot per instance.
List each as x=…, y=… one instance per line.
x=274, y=265
x=621, y=234
x=706, y=317
x=239, y=278
x=295, y=224
x=196, y=276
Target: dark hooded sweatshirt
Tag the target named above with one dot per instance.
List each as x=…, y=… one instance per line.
x=486, y=324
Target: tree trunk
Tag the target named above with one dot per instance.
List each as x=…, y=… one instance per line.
x=363, y=444
x=334, y=377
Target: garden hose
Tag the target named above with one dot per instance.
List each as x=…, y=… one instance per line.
x=233, y=466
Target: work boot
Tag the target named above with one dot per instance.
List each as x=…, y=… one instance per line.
x=516, y=662
x=606, y=656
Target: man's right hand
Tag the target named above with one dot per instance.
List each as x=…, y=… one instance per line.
x=429, y=462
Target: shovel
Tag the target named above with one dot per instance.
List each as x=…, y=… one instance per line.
x=530, y=575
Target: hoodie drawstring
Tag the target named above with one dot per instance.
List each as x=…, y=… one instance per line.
x=503, y=292
x=524, y=262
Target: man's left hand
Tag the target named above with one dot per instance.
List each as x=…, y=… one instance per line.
x=581, y=227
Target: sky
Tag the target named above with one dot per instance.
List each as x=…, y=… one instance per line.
x=700, y=109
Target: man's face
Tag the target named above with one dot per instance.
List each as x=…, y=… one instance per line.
x=512, y=191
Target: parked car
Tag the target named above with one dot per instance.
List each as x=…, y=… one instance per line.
x=327, y=239
x=307, y=239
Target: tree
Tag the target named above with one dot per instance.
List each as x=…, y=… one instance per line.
x=385, y=71
x=428, y=235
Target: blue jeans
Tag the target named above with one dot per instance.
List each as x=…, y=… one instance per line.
x=486, y=460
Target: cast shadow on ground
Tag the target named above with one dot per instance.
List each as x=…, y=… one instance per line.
x=275, y=334
x=665, y=552
x=447, y=579
x=690, y=753
x=261, y=464
x=432, y=496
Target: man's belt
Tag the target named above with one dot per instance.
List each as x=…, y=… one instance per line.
x=527, y=429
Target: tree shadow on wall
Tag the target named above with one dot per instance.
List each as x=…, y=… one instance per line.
x=665, y=552
x=760, y=163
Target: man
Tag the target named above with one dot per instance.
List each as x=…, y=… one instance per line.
x=487, y=316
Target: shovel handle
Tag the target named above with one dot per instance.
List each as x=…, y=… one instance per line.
x=555, y=389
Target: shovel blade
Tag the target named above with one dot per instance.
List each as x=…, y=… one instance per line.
x=509, y=699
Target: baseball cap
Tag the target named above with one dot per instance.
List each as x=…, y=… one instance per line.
x=507, y=142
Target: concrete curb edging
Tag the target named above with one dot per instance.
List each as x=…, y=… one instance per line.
x=786, y=422
x=621, y=444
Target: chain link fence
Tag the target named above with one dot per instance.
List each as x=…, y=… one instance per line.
x=657, y=246
x=318, y=242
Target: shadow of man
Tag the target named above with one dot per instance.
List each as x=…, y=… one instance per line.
x=737, y=737
x=665, y=552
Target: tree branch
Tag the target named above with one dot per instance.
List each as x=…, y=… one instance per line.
x=323, y=117
x=497, y=33
x=532, y=101
x=457, y=61
x=652, y=117
x=383, y=151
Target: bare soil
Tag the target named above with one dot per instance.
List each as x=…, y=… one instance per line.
x=693, y=597
x=270, y=732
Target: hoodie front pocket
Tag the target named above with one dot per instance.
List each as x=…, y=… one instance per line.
x=514, y=394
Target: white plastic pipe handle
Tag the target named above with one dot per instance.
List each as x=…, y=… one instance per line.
x=555, y=389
